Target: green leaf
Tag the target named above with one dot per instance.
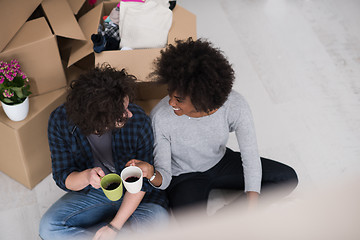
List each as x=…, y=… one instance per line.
x=19, y=93
x=6, y=100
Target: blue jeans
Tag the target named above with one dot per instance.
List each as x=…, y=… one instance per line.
x=79, y=215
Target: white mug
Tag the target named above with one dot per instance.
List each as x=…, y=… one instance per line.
x=132, y=178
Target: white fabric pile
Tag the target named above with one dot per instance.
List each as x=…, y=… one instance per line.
x=144, y=24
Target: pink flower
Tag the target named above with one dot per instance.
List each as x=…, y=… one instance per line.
x=2, y=79
x=8, y=94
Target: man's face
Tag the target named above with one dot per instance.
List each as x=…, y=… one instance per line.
x=127, y=113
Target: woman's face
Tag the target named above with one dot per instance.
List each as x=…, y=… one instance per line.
x=183, y=106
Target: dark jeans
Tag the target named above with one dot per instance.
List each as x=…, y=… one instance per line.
x=194, y=188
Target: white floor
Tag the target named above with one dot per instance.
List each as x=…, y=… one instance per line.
x=298, y=64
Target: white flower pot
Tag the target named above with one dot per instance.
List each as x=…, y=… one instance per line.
x=17, y=112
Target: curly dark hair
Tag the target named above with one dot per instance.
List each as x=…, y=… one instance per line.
x=95, y=101
x=195, y=69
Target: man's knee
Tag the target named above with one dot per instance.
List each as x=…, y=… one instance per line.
x=46, y=226
x=148, y=216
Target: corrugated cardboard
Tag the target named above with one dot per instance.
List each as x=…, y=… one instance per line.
x=148, y=94
x=25, y=154
x=14, y=14
x=25, y=151
x=76, y=5
x=89, y=24
x=35, y=47
x=137, y=62
x=62, y=19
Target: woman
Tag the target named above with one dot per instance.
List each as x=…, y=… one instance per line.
x=191, y=129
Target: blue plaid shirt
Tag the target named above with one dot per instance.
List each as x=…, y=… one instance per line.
x=71, y=151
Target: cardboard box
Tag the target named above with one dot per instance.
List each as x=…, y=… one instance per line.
x=149, y=94
x=35, y=47
x=62, y=19
x=14, y=14
x=137, y=62
x=25, y=153
x=25, y=150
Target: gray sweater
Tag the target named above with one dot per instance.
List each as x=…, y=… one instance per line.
x=184, y=144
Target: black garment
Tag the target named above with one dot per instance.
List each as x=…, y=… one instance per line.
x=194, y=188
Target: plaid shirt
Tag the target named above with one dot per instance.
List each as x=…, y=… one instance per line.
x=71, y=151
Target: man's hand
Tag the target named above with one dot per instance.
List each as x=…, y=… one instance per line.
x=147, y=168
x=105, y=233
x=79, y=180
x=94, y=176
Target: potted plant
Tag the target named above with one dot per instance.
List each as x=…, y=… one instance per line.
x=14, y=90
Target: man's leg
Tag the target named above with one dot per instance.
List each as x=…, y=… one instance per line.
x=74, y=213
x=147, y=216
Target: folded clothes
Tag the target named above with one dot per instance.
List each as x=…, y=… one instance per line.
x=144, y=25
x=104, y=43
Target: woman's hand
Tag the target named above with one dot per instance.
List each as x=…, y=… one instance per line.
x=147, y=168
x=105, y=233
x=94, y=176
x=252, y=199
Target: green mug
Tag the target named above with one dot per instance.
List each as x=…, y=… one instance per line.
x=112, y=186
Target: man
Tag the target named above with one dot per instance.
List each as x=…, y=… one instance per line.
x=97, y=131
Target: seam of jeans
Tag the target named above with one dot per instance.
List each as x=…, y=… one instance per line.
x=83, y=210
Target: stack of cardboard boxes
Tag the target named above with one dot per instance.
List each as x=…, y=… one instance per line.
x=51, y=40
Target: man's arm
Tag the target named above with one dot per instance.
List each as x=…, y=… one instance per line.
x=79, y=180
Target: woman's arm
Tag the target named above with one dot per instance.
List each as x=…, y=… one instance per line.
x=242, y=121
x=148, y=171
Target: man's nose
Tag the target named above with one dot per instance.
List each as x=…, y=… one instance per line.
x=129, y=113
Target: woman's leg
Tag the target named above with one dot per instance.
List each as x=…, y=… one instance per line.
x=228, y=174
x=277, y=176
x=74, y=213
x=188, y=189
x=193, y=188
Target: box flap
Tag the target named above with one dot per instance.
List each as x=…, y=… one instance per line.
x=138, y=61
x=185, y=24
x=31, y=31
x=62, y=19
x=76, y=5
x=14, y=14
x=89, y=24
